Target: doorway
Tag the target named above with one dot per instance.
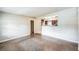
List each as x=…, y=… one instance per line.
x=32, y=27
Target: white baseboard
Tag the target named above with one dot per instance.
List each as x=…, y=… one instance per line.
x=13, y=38
x=62, y=39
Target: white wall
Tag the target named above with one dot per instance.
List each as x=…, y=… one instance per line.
x=37, y=25
x=0, y=24
x=78, y=28
x=14, y=25
x=78, y=25
x=67, y=25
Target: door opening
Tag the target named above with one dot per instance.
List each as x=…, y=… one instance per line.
x=32, y=27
